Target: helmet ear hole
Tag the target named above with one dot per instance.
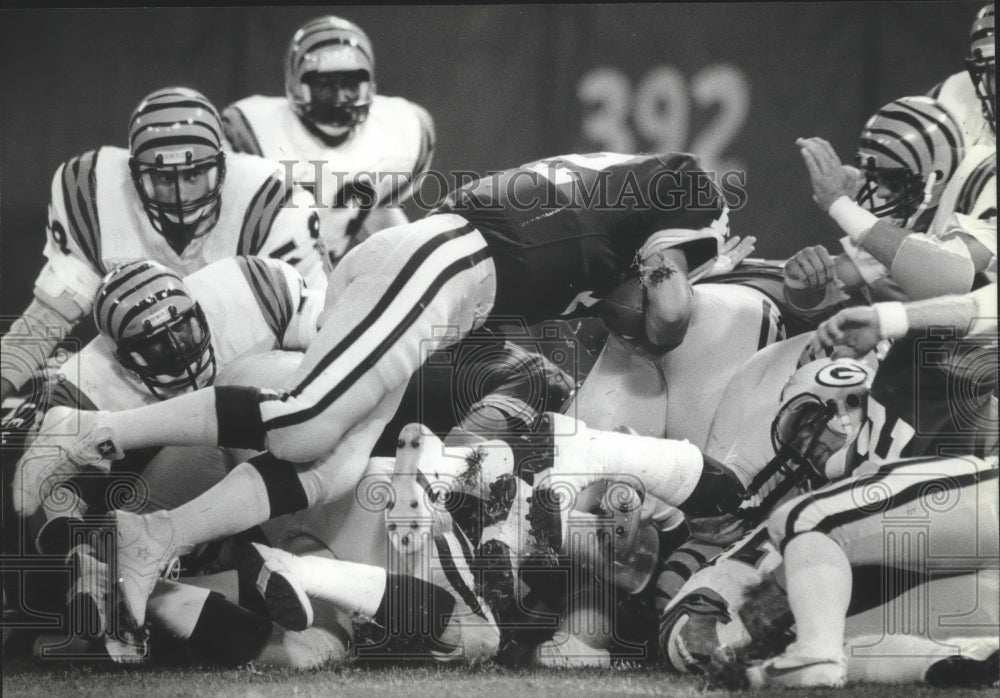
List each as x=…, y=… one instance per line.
x=853, y=400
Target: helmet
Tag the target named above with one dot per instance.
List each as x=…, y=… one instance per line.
x=177, y=162
x=912, y=146
x=158, y=329
x=333, y=48
x=822, y=410
x=981, y=62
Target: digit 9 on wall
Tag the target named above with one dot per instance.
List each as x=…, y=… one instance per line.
x=664, y=111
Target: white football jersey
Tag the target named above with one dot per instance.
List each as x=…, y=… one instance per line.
x=252, y=305
x=374, y=166
x=968, y=205
x=958, y=95
x=96, y=217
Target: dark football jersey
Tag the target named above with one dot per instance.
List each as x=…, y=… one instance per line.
x=565, y=230
x=932, y=396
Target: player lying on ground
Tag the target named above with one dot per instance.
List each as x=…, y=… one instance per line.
x=387, y=302
x=822, y=534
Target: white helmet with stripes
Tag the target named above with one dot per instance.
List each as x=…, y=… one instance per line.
x=908, y=152
x=330, y=75
x=158, y=330
x=177, y=162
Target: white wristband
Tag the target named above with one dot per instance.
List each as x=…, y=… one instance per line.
x=892, y=320
x=854, y=220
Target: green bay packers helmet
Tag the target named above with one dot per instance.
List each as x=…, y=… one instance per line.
x=177, y=162
x=159, y=331
x=911, y=147
x=822, y=410
x=982, y=62
x=330, y=75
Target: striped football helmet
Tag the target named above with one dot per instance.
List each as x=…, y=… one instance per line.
x=177, y=162
x=330, y=75
x=908, y=151
x=982, y=63
x=159, y=331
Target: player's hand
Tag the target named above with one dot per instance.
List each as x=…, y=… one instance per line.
x=810, y=268
x=853, y=331
x=735, y=251
x=830, y=178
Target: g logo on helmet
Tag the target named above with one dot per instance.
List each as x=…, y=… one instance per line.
x=841, y=375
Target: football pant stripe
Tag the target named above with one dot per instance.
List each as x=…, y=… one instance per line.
x=905, y=496
x=79, y=185
x=363, y=364
x=402, y=278
x=446, y=559
x=837, y=489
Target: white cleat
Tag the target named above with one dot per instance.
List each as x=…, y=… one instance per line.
x=270, y=570
x=146, y=546
x=568, y=651
x=90, y=616
x=796, y=671
x=69, y=441
x=411, y=515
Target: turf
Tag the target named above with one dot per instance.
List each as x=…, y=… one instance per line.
x=29, y=678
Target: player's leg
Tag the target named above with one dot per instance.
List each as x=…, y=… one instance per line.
x=675, y=472
x=861, y=521
x=414, y=288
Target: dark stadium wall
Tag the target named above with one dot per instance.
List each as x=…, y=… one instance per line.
x=736, y=83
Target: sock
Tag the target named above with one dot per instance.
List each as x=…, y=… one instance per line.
x=237, y=503
x=228, y=634
x=352, y=587
x=818, y=578
x=186, y=420
x=411, y=607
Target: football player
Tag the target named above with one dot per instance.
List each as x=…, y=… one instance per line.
x=971, y=94
x=174, y=197
x=162, y=335
x=357, y=151
x=674, y=392
x=522, y=243
x=925, y=202
x=931, y=398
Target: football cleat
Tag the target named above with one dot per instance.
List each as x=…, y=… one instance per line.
x=978, y=665
x=91, y=617
x=568, y=651
x=269, y=571
x=49, y=461
x=146, y=548
x=412, y=517
x=796, y=671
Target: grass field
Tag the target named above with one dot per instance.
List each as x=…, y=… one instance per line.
x=23, y=677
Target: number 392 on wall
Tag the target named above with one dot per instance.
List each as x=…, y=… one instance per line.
x=658, y=113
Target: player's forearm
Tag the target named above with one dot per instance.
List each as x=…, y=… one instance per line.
x=971, y=313
x=32, y=337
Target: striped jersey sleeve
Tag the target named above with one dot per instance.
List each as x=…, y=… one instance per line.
x=238, y=132
x=276, y=288
x=260, y=215
x=977, y=198
x=73, y=217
